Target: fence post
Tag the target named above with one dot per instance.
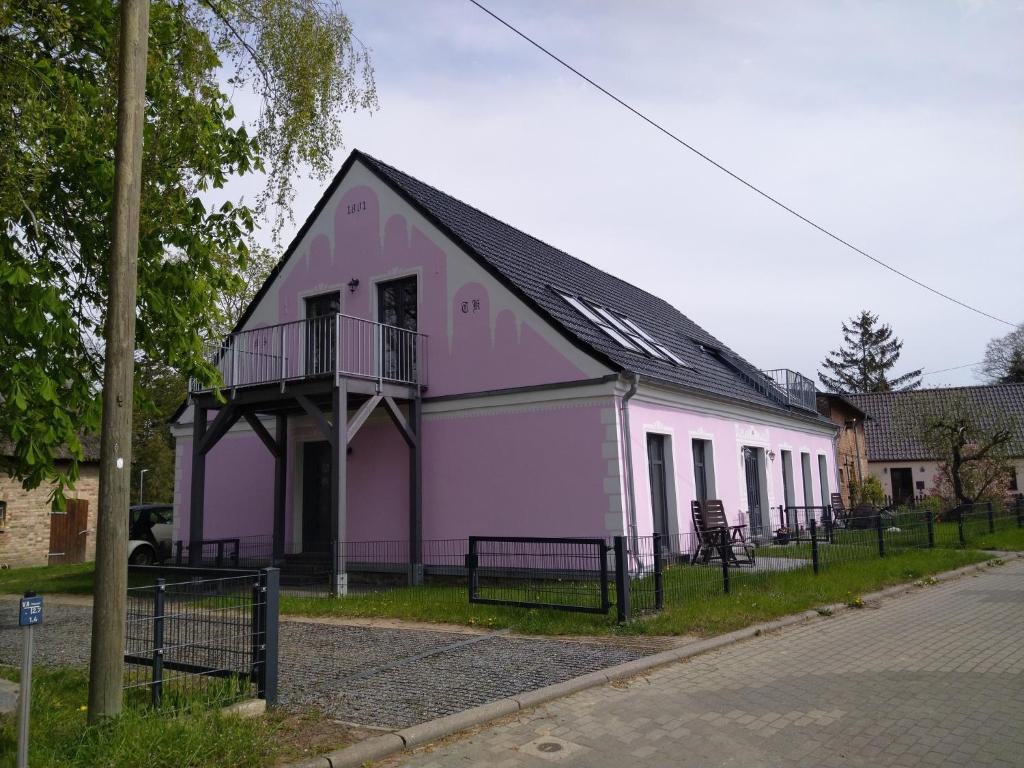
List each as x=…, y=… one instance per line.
x=724, y=551
x=659, y=576
x=621, y=580
x=814, y=545
x=930, y=520
x=991, y=518
x=828, y=523
x=472, y=577
x=220, y=554
x=177, y=552
x=270, y=584
x=881, y=534
x=605, y=602
x=159, y=594
x=960, y=524
x=1020, y=511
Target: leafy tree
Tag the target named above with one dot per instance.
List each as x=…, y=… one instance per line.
x=1004, y=358
x=863, y=363
x=971, y=442
x=58, y=66
x=159, y=391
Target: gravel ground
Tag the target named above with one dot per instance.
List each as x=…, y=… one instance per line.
x=381, y=677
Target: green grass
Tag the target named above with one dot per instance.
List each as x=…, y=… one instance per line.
x=695, y=603
x=1008, y=540
x=68, y=579
x=59, y=735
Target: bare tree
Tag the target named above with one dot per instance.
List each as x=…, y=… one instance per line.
x=1004, y=358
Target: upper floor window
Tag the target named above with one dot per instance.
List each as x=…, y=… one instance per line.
x=621, y=329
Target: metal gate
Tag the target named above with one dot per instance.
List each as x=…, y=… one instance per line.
x=533, y=572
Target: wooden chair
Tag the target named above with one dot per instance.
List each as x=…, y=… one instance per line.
x=716, y=538
x=840, y=514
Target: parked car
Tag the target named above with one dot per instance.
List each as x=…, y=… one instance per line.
x=151, y=527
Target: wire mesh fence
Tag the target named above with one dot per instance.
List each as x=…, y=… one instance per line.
x=202, y=640
x=567, y=574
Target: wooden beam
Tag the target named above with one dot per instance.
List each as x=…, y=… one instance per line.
x=361, y=416
x=416, y=496
x=339, y=467
x=197, y=491
x=280, y=483
x=274, y=446
x=317, y=416
x=226, y=419
x=399, y=418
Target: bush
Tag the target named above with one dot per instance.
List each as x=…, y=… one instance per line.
x=868, y=492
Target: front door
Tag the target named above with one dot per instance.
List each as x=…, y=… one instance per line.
x=320, y=332
x=396, y=308
x=316, y=496
x=902, y=485
x=752, y=469
x=659, y=483
x=67, y=533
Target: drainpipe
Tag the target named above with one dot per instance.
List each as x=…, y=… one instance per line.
x=631, y=528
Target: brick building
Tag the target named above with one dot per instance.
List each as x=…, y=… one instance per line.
x=31, y=533
x=851, y=443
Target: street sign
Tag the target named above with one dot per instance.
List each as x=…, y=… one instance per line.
x=31, y=611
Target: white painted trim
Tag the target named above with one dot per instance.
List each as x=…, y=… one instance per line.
x=649, y=394
x=538, y=397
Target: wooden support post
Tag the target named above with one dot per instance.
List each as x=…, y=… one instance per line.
x=280, y=484
x=339, y=460
x=416, y=493
x=198, y=490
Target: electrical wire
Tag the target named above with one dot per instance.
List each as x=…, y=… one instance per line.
x=735, y=176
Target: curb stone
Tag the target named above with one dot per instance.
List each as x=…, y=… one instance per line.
x=382, y=746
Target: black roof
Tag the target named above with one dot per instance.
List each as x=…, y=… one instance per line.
x=887, y=441
x=535, y=270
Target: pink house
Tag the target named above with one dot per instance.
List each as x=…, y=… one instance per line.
x=416, y=370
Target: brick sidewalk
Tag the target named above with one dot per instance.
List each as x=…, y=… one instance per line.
x=934, y=678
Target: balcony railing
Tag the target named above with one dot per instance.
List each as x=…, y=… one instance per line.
x=319, y=346
x=791, y=387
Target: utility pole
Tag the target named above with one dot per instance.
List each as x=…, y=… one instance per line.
x=110, y=594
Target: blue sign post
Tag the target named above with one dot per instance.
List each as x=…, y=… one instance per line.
x=30, y=614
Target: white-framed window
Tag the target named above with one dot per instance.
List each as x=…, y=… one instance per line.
x=621, y=329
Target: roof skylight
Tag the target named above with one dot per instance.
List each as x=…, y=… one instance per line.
x=624, y=331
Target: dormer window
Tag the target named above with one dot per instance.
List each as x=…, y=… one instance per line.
x=621, y=329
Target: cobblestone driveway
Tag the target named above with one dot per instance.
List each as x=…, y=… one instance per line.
x=935, y=678
x=388, y=678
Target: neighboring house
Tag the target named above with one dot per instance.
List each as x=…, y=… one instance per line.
x=851, y=445
x=414, y=369
x=32, y=532
x=901, y=463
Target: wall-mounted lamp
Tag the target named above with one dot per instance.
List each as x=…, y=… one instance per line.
x=353, y=284
x=771, y=455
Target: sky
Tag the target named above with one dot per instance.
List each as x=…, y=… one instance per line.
x=899, y=126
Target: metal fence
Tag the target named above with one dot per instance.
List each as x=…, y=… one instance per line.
x=563, y=573
x=201, y=637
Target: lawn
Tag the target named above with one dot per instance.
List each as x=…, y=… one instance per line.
x=695, y=602
x=1008, y=540
x=67, y=579
x=59, y=735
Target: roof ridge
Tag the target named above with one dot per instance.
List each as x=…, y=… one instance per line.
x=930, y=389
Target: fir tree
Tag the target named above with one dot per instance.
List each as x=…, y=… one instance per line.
x=863, y=363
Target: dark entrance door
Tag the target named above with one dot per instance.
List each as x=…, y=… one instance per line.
x=321, y=332
x=902, y=485
x=67, y=533
x=396, y=307
x=659, y=484
x=752, y=470
x=316, y=496
x=700, y=470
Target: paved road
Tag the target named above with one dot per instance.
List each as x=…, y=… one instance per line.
x=935, y=678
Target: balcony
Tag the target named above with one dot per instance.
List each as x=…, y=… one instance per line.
x=790, y=388
x=319, y=347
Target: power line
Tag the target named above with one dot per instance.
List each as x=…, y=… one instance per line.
x=954, y=368
x=725, y=170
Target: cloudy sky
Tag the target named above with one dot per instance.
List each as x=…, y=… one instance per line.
x=900, y=126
